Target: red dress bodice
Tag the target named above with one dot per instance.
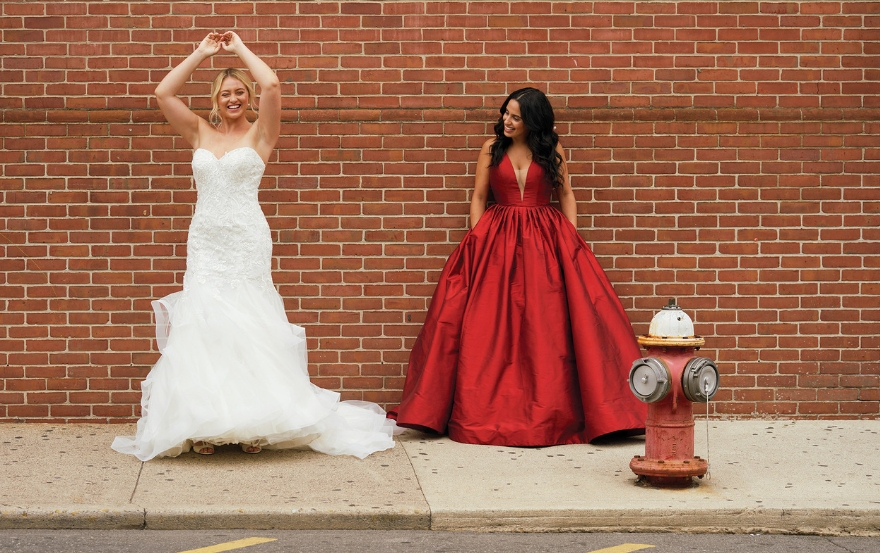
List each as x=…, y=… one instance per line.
x=505, y=188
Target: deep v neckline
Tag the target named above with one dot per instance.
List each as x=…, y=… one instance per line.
x=522, y=187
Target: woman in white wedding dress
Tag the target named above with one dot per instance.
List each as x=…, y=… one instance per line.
x=233, y=369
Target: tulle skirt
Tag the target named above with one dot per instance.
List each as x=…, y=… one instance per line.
x=234, y=370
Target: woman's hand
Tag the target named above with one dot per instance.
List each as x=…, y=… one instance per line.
x=210, y=45
x=231, y=42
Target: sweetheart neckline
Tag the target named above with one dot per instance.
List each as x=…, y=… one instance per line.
x=230, y=151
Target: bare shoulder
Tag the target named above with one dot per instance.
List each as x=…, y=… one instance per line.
x=486, y=149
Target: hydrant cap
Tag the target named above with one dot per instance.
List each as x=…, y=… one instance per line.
x=671, y=327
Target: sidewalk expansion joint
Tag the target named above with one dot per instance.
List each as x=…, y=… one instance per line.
x=422, y=491
x=136, y=482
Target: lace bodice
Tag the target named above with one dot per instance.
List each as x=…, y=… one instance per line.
x=229, y=240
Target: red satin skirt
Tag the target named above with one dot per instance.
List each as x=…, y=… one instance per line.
x=525, y=342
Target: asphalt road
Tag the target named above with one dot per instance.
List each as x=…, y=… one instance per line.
x=378, y=541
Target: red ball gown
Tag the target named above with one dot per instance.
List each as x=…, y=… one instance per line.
x=525, y=342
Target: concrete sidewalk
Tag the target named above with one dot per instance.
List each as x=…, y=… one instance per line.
x=817, y=477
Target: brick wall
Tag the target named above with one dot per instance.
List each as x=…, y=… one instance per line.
x=724, y=153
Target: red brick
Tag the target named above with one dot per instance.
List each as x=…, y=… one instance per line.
x=817, y=408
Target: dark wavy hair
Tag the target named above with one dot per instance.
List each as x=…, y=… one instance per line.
x=537, y=115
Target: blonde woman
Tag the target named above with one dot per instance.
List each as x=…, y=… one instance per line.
x=233, y=370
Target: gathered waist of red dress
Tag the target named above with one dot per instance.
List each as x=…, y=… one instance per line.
x=522, y=206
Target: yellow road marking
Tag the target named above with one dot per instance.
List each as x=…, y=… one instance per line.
x=230, y=545
x=625, y=548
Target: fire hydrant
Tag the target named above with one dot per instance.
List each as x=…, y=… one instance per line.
x=669, y=380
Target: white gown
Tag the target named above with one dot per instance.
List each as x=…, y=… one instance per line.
x=233, y=369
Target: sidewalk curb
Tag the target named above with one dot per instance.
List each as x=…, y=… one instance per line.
x=96, y=518
x=253, y=519
x=831, y=522
x=85, y=518
x=820, y=522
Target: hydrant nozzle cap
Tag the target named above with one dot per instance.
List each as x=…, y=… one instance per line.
x=671, y=327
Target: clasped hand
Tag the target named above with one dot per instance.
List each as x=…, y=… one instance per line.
x=214, y=42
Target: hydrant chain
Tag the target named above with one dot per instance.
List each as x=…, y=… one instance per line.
x=708, y=459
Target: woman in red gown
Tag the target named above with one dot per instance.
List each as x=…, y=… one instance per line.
x=525, y=342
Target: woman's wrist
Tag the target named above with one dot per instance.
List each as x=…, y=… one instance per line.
x=200, y=56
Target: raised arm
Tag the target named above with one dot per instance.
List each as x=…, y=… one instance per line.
x=269, y=120
x=567, y=202
x=481, y=183
x=178, y=114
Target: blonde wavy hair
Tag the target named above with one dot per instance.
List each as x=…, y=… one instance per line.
x=214, y=116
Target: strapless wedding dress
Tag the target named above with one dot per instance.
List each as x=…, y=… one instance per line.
x=233, y=369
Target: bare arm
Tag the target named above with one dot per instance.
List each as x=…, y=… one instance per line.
x=269, y=122
x=567, y=202
x=178, y=114
x=481, y=183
